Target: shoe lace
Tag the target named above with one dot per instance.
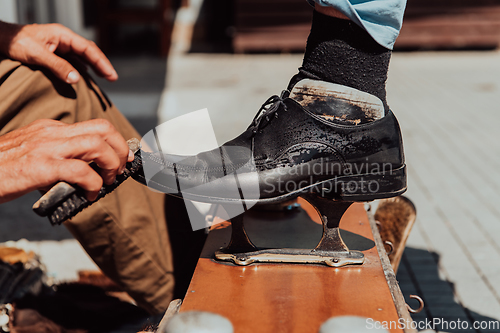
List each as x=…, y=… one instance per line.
x=268, y=111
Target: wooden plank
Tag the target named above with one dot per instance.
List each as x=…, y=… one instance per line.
x=290, y=297
x=444, y=23
x=427, y=24
x=272, y=42
x=271, y=6
x=271, y=25
x=450, y=32
x=397, y=296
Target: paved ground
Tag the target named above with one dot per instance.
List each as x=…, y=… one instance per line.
x=447, y=104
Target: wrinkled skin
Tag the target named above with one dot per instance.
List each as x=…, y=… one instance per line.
x=37, y=44
x=47, y=151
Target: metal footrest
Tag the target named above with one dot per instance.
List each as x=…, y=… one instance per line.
x=331, y=249
x=293, y=256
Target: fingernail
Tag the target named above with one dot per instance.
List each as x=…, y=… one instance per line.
x=112, y=75
x=121, y=171
x=73, y=77
x=130, y=156
x=91, y=196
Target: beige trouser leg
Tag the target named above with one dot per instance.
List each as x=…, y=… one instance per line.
x=125, y=233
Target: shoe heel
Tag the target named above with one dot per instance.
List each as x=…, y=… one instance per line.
x=365, y=187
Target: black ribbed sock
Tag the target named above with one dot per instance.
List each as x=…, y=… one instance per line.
x=341, y=52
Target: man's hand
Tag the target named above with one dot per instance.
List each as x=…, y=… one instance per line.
x=36, y=44
x=47, y=151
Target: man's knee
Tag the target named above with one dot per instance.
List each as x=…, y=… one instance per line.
x=29, y=93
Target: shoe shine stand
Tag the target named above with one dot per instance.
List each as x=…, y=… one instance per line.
x=264, y=290
x=331, y=249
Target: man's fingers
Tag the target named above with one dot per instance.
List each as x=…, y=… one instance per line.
x=80, y=173
x=36, y=44
x=104, y=129
x=89, y=51
x=101, y=133
x=93, y=148
x=60, y=67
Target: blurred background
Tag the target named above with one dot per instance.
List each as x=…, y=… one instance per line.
x=178, y=56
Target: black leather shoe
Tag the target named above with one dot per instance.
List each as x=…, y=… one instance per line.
x=320, y=137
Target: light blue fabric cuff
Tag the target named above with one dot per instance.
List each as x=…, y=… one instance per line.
x=382, y=19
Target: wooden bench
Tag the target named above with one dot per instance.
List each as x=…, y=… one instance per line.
x=283, y=297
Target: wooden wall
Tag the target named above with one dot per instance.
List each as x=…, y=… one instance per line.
x=283, y=25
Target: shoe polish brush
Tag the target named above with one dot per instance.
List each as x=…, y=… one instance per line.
x=63, y=201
